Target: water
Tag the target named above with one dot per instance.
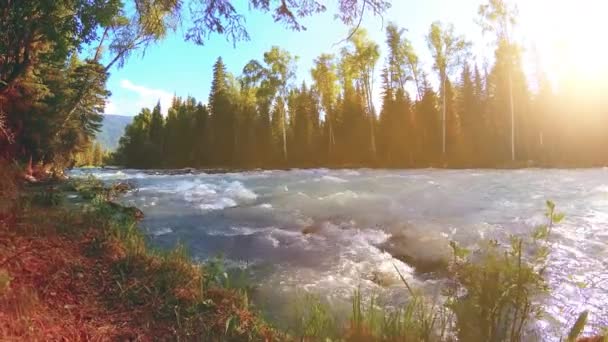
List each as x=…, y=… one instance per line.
x=323, y=231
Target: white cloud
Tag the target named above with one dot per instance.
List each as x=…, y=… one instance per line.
x=110, y=107
x=148, y=97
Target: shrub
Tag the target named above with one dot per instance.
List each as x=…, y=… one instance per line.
x=314, y=320
x=499, y=286
x=492, y=296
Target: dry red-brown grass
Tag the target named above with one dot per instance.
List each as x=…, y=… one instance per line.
x=59, y=282
x=57, y=293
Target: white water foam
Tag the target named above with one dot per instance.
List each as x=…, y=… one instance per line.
x=161, y=231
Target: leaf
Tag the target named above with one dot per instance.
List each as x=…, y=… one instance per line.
x=578, y=326
x=557, y=218
x=404, y=281
x=541, y=232
x=459, y=252
x=550, y=205
x=228, y=322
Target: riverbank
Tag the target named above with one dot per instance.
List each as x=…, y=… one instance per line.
x=223, y=170
x=74, y=266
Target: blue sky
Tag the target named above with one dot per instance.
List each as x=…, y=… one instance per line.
x=174, y=66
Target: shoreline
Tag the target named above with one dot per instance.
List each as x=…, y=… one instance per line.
x=81, y=269
x=224, y=170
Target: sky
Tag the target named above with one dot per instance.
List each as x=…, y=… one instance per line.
x=175, y=67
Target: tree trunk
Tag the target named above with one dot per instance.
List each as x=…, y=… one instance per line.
x=284, y=136
x=443, y=119
x=512, y=115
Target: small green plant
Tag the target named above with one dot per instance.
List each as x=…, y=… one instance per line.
x=500, y=286
x=216, y=273
x=314, y=319
x=578, y=327
x=421, y=319
x=49, y=197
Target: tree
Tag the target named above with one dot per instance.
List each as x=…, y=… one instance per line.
x=221, y=110
x=324, y=74
x=427, y=121
x=222, y=17
x=362, y=59
x=396, y=118
x=39, y=37
x=34, y=32
x=278, y=73
x=279, y=132
x=507, y=85
x=396, y=62
x=468, y=113
x=499, y=17
x=305, y=126
x=156, y=130
x=201, y=142
x=134, y=146
x=448, y=52
x=271, y=82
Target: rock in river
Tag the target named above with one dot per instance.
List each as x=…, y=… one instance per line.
x=426, y=251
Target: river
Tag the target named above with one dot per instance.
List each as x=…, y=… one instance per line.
x=325, y=231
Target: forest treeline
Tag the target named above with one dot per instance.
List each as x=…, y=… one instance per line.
x=494, y=115
x=56, y=56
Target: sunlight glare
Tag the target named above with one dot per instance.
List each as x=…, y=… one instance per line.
x=568, y=36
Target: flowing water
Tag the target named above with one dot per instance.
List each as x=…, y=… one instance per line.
x=326, y=231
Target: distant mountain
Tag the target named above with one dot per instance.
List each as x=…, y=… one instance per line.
x=112, y=130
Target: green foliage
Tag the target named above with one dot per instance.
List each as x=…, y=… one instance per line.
x=500, y=286
x=261, y=119
x=492, y=295
x=93, y=155
x=51, y=101
x=578, y=327
x=46, y=196
x=218, y=274
x=313, y=319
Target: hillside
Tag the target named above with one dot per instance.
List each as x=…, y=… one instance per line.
x=113, y=128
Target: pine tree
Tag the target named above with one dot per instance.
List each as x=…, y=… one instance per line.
x=428, y=124
x=221, y=112
x=469, y=117
x=156, y=131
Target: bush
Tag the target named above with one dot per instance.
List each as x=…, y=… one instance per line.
x=492, y=296
x=313, y=319
x=500, y=285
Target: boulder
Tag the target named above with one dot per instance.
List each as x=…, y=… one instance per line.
x=384, y=279
x=426, y=251
x=313, y=229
